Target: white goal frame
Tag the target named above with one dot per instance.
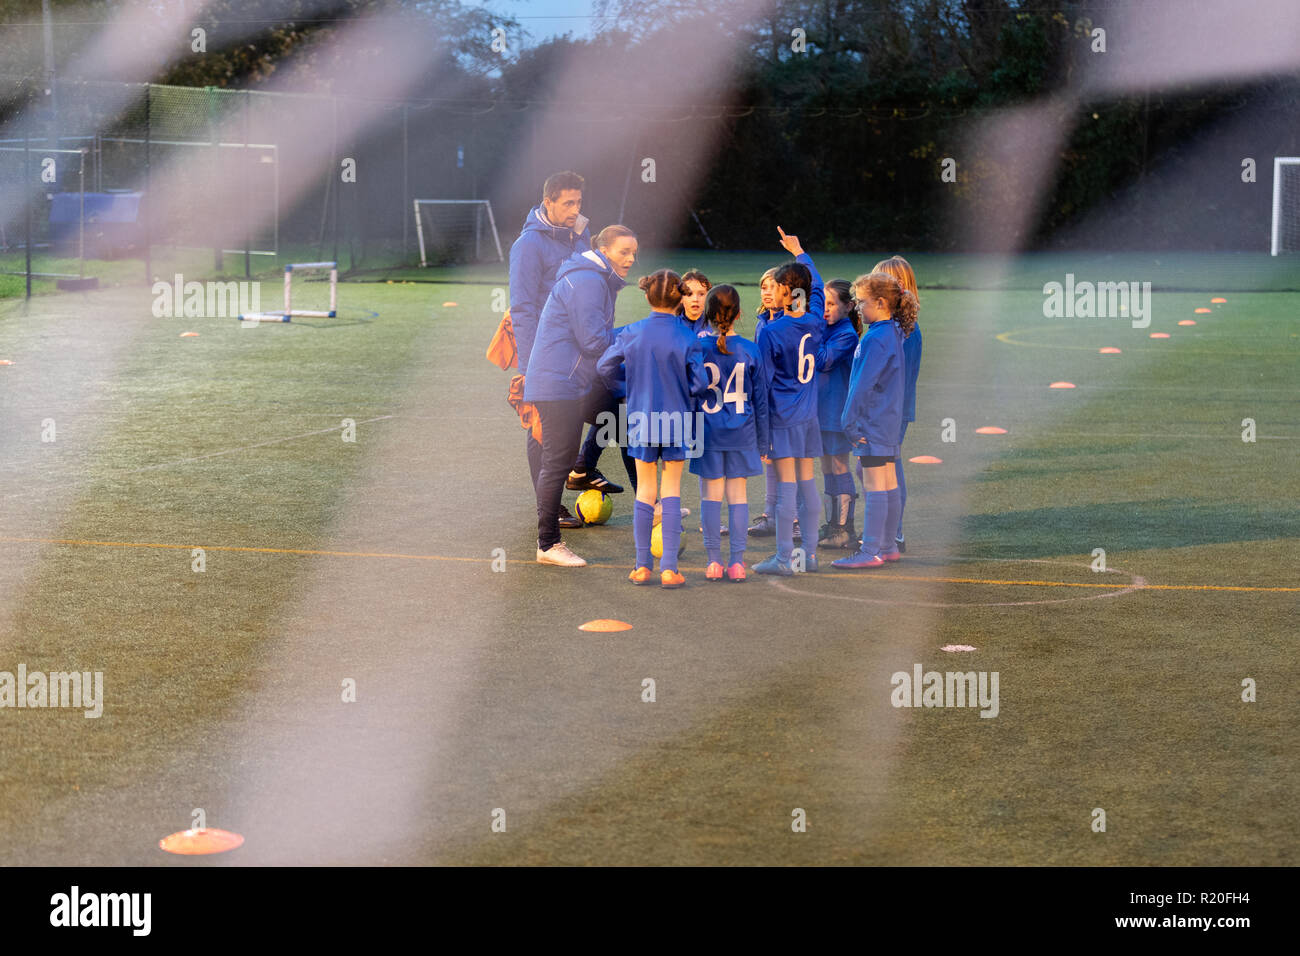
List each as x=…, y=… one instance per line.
x=1278, y=163
x=284, y=314
x=478, y=238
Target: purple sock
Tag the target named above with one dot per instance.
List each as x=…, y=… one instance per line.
x=671, y=528
x=711, y=518
x=739, y=517
x=643, y=519
x=810, y=514
x=786, y=492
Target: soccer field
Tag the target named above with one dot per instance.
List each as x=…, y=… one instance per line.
x=327, y=561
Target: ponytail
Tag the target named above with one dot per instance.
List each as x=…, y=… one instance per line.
x=721, y=309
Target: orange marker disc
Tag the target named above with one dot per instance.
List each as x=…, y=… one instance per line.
x=1109, y=350
x=605, y=624
x=1186, y=321
x=1061, y=385
x=1160, y=335
x=186, y=335
x=5, y=362
x=926, y=460
x=449, y=305
x=1218, y=300
x=199, y=842
x=1201, y=311
x=990, y=430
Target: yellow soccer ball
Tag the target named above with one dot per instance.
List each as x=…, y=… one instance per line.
x=657, y=542
x=594, y=507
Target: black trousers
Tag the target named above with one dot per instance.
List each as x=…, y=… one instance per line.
x=601, y=401
x=561, y=433
x=562, y=423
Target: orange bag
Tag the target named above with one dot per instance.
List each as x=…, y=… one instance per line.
x=502, y=352
x=528, y=417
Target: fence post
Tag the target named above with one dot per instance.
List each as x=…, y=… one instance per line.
x=148, y=187
x=406, y=181
x=248, y=232
x=27, y=205
x=218, y=261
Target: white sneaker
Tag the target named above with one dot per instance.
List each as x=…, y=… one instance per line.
x=560, y=555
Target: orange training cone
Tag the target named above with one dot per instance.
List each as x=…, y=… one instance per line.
x=605, y=624
x=201, y=842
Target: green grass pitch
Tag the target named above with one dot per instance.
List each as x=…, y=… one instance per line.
x=371, y=561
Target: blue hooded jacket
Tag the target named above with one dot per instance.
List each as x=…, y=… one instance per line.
x=534, y=257
x=912, y=368
x=575, y=329
x=874, y=408
x=834, y=365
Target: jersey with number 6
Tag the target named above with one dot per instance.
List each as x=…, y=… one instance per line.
x=789, y=347
x=735, y=405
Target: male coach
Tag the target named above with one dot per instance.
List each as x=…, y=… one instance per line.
x=554, y=230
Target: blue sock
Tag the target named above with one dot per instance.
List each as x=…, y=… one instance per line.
x=671, y=526
x=738, y=515
x=895, y=505
x=711, y=517
x=847, y=487
x=786, y=492
x=874, y=514
x=902, y=494
x=769, y=503
x=643, y=519
x=810, y=514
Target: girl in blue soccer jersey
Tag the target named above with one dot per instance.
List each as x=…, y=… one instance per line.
x=764, y=525
x=834, y=363
x=735, y=431
x=660, y=360
x=788, y=345
x=901, y=269
x=874, y=409
x=696, y=285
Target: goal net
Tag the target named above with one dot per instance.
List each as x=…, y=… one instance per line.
x=456, y=230
x=310, y=289
x=1286, y=205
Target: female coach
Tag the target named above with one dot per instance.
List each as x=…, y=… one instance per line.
x=574, y=329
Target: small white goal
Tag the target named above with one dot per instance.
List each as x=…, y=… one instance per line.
x=284, y=315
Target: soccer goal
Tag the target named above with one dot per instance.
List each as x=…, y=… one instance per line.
x=1286, y=204
x=456, y=230
x=308, y=293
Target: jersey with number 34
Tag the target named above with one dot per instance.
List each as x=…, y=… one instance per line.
x=735, y=405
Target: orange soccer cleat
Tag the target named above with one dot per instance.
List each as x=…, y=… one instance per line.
x=671, y=579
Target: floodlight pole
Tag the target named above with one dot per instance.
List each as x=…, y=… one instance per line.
x=47, y=27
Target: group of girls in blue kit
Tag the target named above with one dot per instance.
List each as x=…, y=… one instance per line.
x=826, y=378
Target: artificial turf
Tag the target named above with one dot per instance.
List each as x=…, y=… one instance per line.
x=475, y=689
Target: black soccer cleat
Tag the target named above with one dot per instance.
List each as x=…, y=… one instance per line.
x=568, y=519
x=581, y=481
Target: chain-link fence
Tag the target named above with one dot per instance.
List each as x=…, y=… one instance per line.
x=221, y=181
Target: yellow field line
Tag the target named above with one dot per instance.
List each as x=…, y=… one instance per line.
x=488, y=558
